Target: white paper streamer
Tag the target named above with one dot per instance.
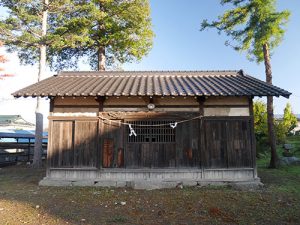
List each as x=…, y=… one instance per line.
x=132, y=132
x=173, y=125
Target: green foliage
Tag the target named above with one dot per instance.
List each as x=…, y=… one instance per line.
x=260, y=117
x=250, y=24
x=281, y=131
x=289, y=119
x=282, y=127
x=286, y=125
x=260, y=126
x=21, y=27
x=76, y=29
x=122, y=27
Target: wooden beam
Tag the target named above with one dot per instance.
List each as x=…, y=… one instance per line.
x=100, y=100
x=66, y=118
x=100, y=133
x=226, y=106
x=76, y=106
x=251, y=106
x=227, y=117
x=253, y=140
x=151, y=100
x=156, y=106
x=201, y=100
x=51, y=105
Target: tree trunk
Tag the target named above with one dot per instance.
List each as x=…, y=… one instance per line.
x=101, y=48
x=38, y=145
x=270, y=113
x=101, y=58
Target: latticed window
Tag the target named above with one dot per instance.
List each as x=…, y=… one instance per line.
x=154, y=131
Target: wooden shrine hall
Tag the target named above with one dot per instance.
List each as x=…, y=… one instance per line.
x=150, y=129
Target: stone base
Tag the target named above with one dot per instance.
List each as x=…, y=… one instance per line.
x=155, y=184
x=151, y=178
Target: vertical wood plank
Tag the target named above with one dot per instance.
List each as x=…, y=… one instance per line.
x=101, y=142
x=120, y=162
x=61, y=144
x=49, y=146
x=107, y=153
x=85, y=143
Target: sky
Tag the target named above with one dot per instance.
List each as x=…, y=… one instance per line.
x=179, y=45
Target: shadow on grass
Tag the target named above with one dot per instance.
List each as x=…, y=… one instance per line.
x=22, y=200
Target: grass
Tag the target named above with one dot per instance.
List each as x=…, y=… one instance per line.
x=294, y=140
x=22, y=201
x=285, y=179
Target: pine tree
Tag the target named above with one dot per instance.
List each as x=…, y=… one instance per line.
x=60, y=32
x=256, y=27
x=24, y=30
x=105, y=32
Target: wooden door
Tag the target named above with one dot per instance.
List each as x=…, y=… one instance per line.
x=112, y=144
x=153, y=146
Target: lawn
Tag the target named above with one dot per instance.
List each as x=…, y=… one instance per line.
x=22, y=201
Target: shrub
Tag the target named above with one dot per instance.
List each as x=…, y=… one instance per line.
x=283, y=127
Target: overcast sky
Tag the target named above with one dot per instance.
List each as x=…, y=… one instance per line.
x=179, y=45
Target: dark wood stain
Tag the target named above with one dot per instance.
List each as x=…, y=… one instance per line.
x=85, y=150
x=108, y=150
x=227, y=143
x=61, y=144
x=210, y=142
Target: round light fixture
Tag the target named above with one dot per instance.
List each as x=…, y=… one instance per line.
x=151, y=106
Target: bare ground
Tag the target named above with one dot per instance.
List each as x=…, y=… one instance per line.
x=22, y=201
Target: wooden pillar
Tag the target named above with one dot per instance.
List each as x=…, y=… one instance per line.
x=201, y=101
x=49, y=144
x=151, y=100
x=253, y=140
x=100, y=100
x=51, y=106
x=49, y=148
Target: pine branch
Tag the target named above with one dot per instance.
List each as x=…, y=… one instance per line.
x=10, y=38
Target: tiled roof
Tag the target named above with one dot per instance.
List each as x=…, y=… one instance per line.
x=6, y=120
x=152, y=83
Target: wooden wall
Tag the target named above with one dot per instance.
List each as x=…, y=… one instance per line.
x=213, y=106
x=211, y=142
x=73, y=143
x=214, y=141
x=227, y=143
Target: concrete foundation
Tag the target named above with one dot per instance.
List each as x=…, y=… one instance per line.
x=152, y=178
